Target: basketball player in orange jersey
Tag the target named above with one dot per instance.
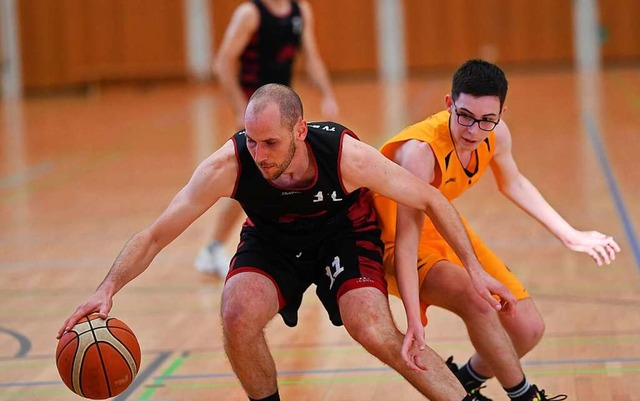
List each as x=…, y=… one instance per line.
x=263, y=37
x=310, y=222
x=451, y=150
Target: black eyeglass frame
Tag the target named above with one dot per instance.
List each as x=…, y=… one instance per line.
x=475, y=120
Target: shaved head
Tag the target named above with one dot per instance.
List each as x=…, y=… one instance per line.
x=287, y=101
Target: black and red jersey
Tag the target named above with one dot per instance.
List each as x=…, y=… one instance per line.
x=298, y=218
x=269, y=56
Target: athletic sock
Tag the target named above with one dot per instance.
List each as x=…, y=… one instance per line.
x=469, y=378
x=519, y=391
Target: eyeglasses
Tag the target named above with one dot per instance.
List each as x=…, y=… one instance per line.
x=468, y=121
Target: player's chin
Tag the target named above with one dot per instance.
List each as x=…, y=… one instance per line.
x=266, y=174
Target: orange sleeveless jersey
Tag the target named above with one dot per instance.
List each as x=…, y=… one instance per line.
x=452, y=179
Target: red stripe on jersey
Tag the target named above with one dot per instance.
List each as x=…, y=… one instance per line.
x=361, y=213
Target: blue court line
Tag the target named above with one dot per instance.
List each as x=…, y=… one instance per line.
x=25, y=344
x=388, y=369
x=596, y=141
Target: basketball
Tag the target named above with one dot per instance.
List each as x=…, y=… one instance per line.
x=98, y=358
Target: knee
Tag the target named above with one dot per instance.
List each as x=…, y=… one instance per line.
x=531, y=337
x=234, y=316
x=526, y=333
x=470, y=306
x=367, y=318
x=369, y=333
x=240, y=319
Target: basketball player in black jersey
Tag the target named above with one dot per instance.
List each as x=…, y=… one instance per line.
x=263, y=38
x=310, y=222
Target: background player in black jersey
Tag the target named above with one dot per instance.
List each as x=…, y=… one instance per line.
x=262, y=39
x=310, y=221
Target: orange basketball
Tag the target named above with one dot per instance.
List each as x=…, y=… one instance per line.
x=98, y=358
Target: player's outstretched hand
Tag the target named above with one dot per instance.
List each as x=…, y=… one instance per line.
x=494, y=292
x=413, y=347
x=601, y=247
x=99, y=302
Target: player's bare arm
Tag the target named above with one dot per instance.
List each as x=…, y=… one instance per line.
x=364, y=166
x=417, y=158
x=214, y=178
x=517, y=188
x=313, y=63
x=244, y=23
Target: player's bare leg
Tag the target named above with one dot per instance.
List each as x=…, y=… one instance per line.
x=525, y=329
x=366, y=316
x=449, y=286
x=249, y=302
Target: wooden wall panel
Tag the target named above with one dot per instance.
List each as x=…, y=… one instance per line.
x=104, y=32
x=620, y=29
x=444, y=34
x=48, y=38
x=70, y=42
x=155, y=38
x=346, y=34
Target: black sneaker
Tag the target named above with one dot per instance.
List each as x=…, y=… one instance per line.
x=474, y=392
x=539, y=395
x=453, y=367
x=478, y=395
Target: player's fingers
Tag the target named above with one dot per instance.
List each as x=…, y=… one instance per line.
x=409, y=358
x=69, y=323
x=611, y=251
x=420, y=364
x=104, y=311
x=613, y=244
x=63, y=329
x=488, y=296
x=509, y=301
x=603, y=254
x=404, y=351
x=594, y=255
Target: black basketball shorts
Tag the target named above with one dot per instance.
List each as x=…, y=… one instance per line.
x=335, y=265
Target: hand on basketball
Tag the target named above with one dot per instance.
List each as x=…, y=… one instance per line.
x=602, y=248
x=494, y=292
x=99, y=303
x=412, y=348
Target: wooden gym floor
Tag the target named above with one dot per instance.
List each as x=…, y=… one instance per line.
x=80, y=174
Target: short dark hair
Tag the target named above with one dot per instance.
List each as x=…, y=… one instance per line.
x=287, y=99
x=479, y=78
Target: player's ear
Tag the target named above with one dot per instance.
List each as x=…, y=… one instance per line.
x=448, y=100
x=300, y=129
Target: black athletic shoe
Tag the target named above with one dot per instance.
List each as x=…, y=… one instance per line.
x=539, y=395
x=451, y=365
x=474, y=392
